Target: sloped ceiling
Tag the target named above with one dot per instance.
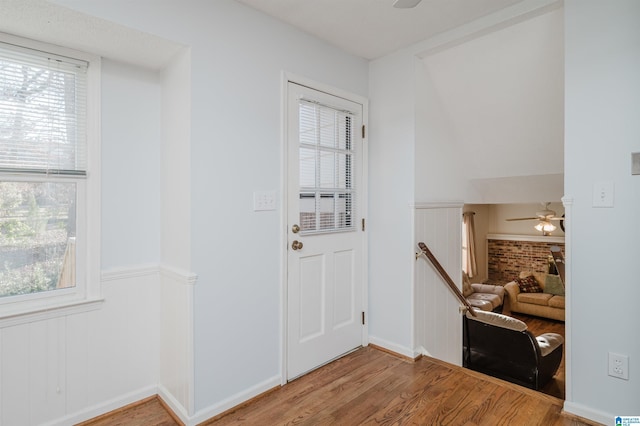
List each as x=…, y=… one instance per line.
x=503, y=95
x=374, y=28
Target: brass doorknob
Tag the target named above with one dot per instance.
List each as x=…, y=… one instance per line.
x=296, y=245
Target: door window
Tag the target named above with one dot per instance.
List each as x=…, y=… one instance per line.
x=327, y=192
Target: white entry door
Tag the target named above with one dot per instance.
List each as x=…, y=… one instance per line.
x=324, y=228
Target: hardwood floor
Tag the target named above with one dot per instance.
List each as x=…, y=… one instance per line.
x=369, y=386
x=148, y=412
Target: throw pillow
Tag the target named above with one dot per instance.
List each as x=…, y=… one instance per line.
x=553, y=285
x=528, y=285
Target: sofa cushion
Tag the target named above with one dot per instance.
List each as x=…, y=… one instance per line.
x=557, y=302
x=493, y=299
x=485, y=305
x=528, y=285
x=553, y=285
x=535, y=298
x=488, y=288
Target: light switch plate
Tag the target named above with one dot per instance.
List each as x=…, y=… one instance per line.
x=264, y=200
x=635, y=163
x=603, y=194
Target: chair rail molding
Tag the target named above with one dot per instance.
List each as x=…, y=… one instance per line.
x=436, y=205
x=529, y=238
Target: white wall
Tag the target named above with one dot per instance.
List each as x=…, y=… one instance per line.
x=391, y=186
x=177, y=281
x=234, y=136
x=130, y=166
x=501, y=95
x=69, y=368
x=237, y=56
x=602, y=99
x=441, y=166
x=414, y=156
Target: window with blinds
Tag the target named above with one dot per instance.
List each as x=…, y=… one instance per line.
x=42, y=113
x=327, y=192
x=43, y=166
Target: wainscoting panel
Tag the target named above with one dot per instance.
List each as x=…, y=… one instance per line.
x=176, y=341
x=438, y=322
x=66, y=369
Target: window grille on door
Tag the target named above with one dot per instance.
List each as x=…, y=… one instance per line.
x=327, y=187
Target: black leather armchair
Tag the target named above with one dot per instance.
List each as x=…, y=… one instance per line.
x=502, y=347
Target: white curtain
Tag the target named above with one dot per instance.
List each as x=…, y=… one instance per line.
x=470, y=266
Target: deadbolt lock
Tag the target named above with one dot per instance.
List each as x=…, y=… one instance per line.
x=295, y=229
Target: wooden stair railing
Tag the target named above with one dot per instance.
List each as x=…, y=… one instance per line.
x=558, y=260
x=424, y=251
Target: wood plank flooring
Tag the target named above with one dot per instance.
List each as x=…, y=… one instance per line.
x=372, y=387
x=148, y=412
x=369, y=386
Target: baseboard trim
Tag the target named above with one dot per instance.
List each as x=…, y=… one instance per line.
x=573, y=409
x=118, y=410
x=98, y=410
x=173, y=415
x=392, y=347
x=395, y=354
x=234, y=401
x=175, y=409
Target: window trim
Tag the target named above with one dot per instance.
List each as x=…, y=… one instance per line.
x=87, y=295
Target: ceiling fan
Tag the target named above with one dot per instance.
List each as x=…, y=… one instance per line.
x=542, y=215
x=405, y=4
x=544, y=218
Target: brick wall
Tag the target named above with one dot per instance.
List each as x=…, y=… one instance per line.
x=506, y=259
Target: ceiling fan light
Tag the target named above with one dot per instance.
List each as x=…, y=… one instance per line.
x=405, y=4
x=545, y=226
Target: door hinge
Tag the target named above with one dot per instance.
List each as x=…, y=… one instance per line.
x=363, y=224
x=363, y=131
x=362, y=317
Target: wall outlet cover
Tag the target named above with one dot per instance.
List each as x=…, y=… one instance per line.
x=618, y=366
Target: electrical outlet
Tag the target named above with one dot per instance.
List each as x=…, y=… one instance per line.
x=619, y=366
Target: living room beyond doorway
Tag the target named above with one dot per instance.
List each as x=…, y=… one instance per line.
x=507, y=252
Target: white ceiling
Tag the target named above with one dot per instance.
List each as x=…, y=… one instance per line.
x=374, y=28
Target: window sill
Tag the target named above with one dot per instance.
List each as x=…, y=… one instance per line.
x=53, y=311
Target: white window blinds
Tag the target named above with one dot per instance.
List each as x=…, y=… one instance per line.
x=42, y=113
x=327, y=192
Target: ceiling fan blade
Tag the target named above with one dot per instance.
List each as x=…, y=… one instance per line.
x=405, y=4
x=523, y=218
